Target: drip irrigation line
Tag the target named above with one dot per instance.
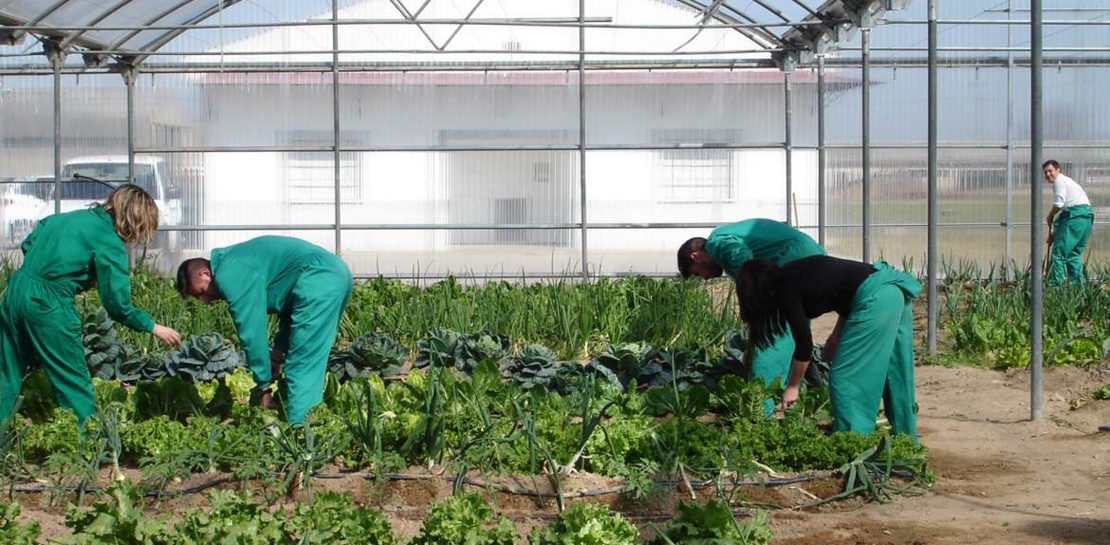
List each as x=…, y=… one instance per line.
x=521, y=491
x=774, y=481
x=33, y=489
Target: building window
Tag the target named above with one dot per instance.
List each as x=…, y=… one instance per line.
x=698, y=175
x=310, y=175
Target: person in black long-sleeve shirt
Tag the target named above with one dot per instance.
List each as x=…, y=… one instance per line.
x=874, y=359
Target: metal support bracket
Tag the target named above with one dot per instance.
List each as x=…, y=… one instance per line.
x=54, y=52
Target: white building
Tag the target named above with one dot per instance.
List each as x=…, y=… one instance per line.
x=463, y=148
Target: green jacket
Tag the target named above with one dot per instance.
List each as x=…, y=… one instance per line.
x=733, y=244
x=74, y=250
x=257, y=278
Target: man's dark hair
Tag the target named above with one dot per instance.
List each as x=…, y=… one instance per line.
x=186, y=270
x=1051, y=163
x=686, y=253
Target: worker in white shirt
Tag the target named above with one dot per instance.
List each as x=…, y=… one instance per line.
x=1069, y=226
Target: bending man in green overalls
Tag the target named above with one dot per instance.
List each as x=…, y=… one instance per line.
x=65, y=255
x=1069, y=226
x=726, y=250
x=304, y=284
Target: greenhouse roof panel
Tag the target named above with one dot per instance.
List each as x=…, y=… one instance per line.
x=129, y=30
x=104, y=27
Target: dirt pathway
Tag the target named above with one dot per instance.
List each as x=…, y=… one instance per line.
x=1000, y=477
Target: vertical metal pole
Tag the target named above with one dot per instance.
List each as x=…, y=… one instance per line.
x=865, y=152
x=931, y=301
x=1037, y=231
x=57, y=59
x=1009, y=144
x=789, y=147
x=582, y=133
x=821, y=151
x=336, y=138
x=129, y=80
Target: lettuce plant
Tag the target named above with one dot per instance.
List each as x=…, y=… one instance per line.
x=713, y=523
x=586, y=523
x=464, y=520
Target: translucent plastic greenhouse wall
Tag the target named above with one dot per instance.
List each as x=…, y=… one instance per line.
x=983, y=127
x=443, y=169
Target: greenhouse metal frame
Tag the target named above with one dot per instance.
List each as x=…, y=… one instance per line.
x=816, y=44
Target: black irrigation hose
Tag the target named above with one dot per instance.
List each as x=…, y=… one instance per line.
x=774, y=481
x=500, y=487
x=32, y=489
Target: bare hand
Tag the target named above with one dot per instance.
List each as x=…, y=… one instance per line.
x=789, y=396
x=167, y=335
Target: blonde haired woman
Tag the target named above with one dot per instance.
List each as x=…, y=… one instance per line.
x=65, y=255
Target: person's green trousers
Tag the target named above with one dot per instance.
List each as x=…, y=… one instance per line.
x=773, y=363
x=39, y=326
x=1071, y=230
x=318, y=300
x=875, y=358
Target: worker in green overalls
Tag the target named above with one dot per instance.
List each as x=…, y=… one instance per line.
x=1069, y=226
x=726, y=250
x=874, y=361
x=304, y=284
x=64, y=255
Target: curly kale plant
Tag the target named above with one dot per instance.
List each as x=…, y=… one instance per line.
x=103, y=347
x=625, y=360
x=736, y=347
x=538, y=367
x=480, y=347
x=438, y=348
x=135, y=366
x=372, y=353
x=678, y=365
x=203, y=358
x=448, y=348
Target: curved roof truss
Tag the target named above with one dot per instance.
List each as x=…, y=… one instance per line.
x=126, y=32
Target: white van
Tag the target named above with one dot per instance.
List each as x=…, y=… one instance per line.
x=21, y=207
x=77, y=193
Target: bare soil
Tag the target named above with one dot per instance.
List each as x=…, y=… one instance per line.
x=1000, y=477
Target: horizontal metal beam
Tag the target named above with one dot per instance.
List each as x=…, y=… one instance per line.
x=506, y=66
x=571, y=23
x=978, y=49
x=979, y=146
x=372, y=149
x=974, y=62
x=440, y=227
x=438, y=53
x=553, y=227
x=996, y=22
x=471, y=275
